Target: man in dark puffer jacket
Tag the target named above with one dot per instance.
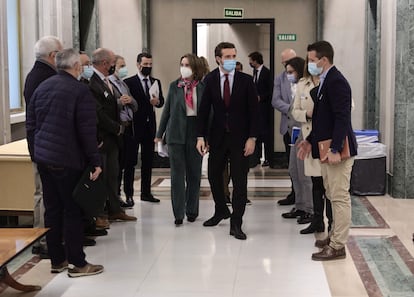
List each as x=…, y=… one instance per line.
x=61, y=130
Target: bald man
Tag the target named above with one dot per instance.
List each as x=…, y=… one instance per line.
x=282, y=101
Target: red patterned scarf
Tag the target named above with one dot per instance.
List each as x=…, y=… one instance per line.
x=188, y=85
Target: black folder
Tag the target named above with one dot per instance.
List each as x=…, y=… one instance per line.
x=90, y=195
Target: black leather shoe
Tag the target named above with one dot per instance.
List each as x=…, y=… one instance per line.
x=123, y=204
x=215, y=220
x=130, y=201
x=248, y=202
x=149, y=198
x=293, y=214
x=265, y=163
x=178, y=222
x=88, y=242
x=96, y=232
x=191, y=219
x=313, y=228
x=305, y=218
x=41, y=252
x=237, y=232
x=289, y=200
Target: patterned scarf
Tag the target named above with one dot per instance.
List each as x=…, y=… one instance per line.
x=188, y=85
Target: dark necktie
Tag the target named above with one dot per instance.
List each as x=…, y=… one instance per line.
x=226, y=91
x=255, y=75
x=146, y=88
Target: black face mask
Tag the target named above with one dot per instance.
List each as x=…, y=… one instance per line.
x=146, y=71
x=111, y=70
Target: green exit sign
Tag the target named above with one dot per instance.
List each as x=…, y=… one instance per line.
x=286, y=37
x=235, y=13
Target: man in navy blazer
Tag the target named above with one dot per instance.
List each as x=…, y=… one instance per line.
x=231, y=131
x=331, y=119
x=144, y=127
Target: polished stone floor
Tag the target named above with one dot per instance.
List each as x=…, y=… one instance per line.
x=152, y=257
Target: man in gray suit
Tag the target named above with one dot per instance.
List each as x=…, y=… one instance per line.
x=282, y=100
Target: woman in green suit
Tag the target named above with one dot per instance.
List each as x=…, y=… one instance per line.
x=178, y=127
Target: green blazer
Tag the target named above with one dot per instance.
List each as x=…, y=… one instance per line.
x=174, y=116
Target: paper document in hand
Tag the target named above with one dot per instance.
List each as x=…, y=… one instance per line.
x=162, y=149
x=154, y=91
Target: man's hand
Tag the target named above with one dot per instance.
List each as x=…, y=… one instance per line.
x=154, y=101
x=125, y=99
x=333, y=158
x=304, y=149
x=156, y=140
x=249, y=146
x=94, y=175
x=201, y=146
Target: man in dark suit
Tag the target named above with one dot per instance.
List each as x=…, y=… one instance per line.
x=141, y=87
x=264, y=86
x=109, y=127
x=331, y=119
x=46, y=49
x=232, y=133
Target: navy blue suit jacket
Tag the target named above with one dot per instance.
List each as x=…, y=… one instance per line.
x=145, y=115
x=331, y=117
x=242, y=113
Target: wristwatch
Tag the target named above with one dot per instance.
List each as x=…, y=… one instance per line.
x=333, y=151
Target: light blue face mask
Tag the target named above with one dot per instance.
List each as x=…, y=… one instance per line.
x=314, y=69
x=122, y=72
x=229, y=65
x=87, y=72
x=291, y=77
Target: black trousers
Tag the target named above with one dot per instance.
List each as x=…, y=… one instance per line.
x=239, y=168
x=62, y=215
x=319, y=200
x=130, y=150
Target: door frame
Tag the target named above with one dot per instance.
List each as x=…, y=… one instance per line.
x=272, y=40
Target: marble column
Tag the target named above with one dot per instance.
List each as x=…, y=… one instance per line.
x=402, y=185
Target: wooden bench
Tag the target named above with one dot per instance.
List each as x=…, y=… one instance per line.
x=13, y=241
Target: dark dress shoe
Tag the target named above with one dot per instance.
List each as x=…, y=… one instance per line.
x=322, y=243
x=293, y=214
x=329, y=253
x=313, y=228
x=96, y=232
x=215, y=220
x=191, y=219
x=237, y=232
x=88, y=242
x=130, y=201
x=305, y=218
x=123, y=204
x=289, y=200
x=178, y=222
x=248, y=202
x=265, y=163
x=41, y=252
x=149, y=198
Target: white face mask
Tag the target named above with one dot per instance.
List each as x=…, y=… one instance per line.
x=186, y=72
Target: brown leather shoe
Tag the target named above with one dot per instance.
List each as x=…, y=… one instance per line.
x=329, y=253
x=102, y=223
x=121, y=216
x=322, y=242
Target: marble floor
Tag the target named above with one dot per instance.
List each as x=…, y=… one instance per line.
x=152, y=257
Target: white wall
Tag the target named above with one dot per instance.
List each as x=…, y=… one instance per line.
x=120, y=29
x=345, y=28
